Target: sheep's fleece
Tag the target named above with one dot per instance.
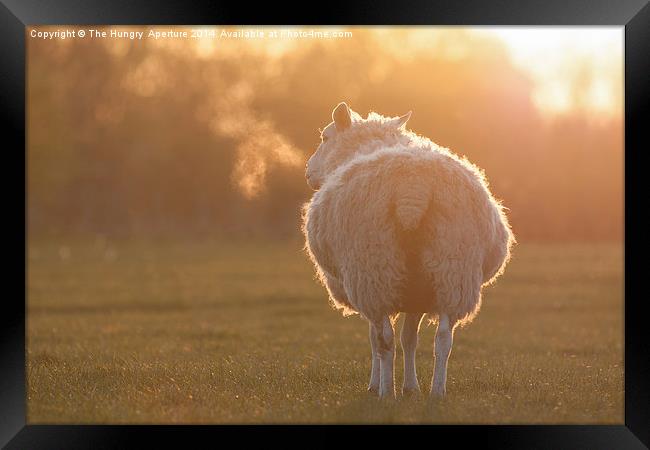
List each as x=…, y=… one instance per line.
x=398, y=209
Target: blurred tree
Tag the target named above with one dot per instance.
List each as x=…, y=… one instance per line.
x=131, y=138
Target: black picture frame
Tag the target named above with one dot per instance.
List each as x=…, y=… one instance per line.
x=15, y=15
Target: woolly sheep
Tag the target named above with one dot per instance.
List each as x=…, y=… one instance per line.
x=400, y=225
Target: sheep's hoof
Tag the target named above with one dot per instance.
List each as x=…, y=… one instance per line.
x=387, y=397
x=438, y=394
x=411, y=392
x=388, y=394
x=373, y=391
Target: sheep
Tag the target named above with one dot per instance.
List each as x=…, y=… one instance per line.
x=398, y=224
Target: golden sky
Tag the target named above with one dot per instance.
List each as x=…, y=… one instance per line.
x=560, y=61
x=572, y=68
x=554, y=56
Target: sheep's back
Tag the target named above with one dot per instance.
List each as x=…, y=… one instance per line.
x=352, y=232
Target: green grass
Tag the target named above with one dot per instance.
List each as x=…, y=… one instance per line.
x=224, y=332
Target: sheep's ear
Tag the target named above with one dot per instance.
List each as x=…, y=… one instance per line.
x=341, y=116
x=401, y=121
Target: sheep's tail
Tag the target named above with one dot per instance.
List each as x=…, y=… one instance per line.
x=411, y=203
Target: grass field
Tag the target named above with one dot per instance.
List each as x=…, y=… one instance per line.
x=224, y=332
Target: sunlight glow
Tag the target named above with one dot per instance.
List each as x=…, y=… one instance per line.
x=571, y=68
x=579, y=67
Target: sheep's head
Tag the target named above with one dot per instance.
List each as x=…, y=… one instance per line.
x=343, y=137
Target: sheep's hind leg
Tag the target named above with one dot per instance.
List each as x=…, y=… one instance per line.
x=409, y=341
x=386, y=340
x=373, y=386
x=443, y=343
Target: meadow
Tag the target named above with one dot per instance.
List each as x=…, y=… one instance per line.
x=218, y=331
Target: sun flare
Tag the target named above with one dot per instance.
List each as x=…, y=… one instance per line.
x=573, y=68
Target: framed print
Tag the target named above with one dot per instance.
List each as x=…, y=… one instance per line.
x=380, y=214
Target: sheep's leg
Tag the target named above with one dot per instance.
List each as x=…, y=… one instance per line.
x=386, y=341
x=373, y=386
x=409, y=340
x=443, y=343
